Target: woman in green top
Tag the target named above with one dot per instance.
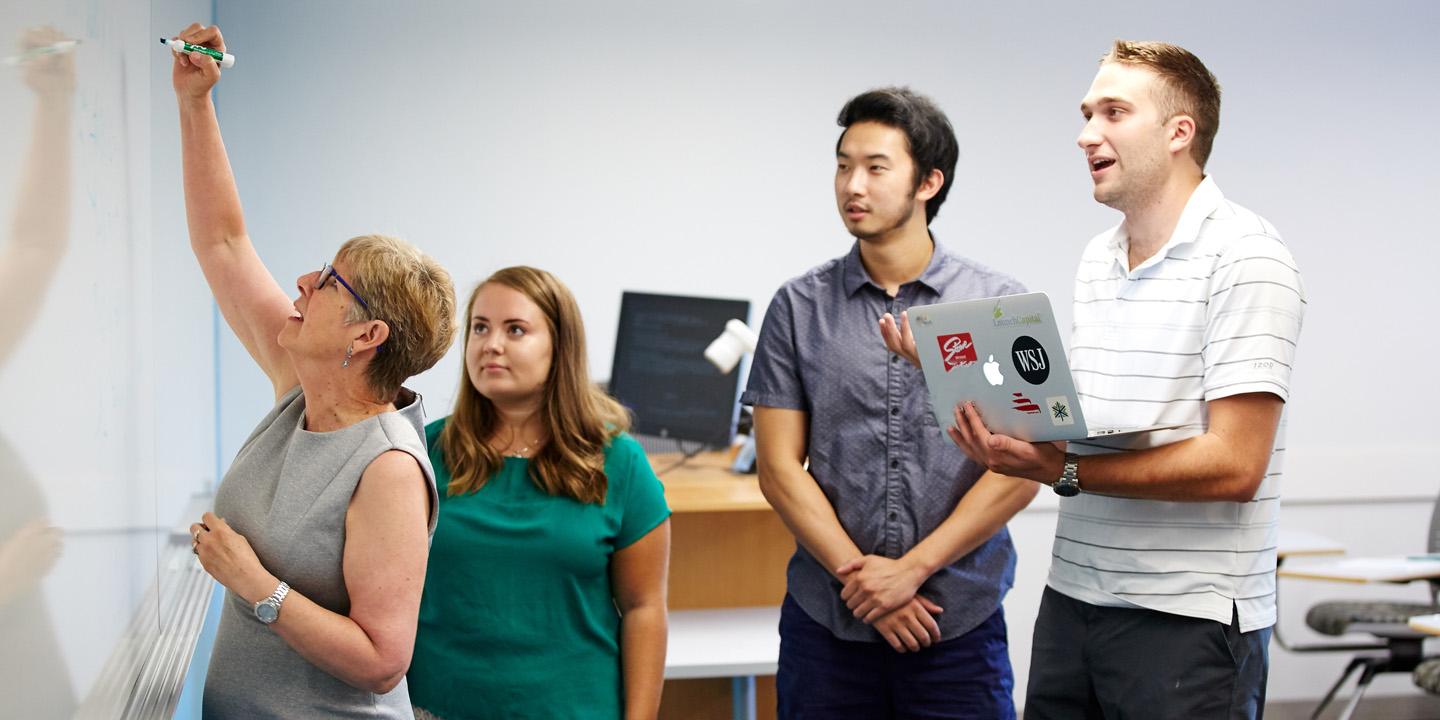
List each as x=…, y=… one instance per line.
x=545, y=596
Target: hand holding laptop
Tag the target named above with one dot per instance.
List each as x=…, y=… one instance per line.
x=898, y=337
x=1038, y=461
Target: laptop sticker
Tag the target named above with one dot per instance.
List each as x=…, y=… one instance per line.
x=1030, y=360
x=1059, y=410
x=956, y=350
x=992, y=372
x=1025, y=405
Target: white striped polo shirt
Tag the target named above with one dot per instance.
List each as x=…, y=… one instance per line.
x=1215, y=312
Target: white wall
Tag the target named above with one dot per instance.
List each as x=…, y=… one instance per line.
x=686, y=147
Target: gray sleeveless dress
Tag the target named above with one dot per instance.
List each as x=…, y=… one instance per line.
x=287, y=492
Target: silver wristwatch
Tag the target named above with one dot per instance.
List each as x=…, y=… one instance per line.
x=1069, y=483
x=268, y=610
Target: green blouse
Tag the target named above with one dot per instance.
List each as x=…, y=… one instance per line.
x=518, y=619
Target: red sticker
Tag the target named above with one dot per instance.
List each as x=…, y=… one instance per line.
x=1025, y=405
x=956, y=350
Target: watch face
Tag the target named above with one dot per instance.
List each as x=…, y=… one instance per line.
x=1067, y=488
x=267, y=613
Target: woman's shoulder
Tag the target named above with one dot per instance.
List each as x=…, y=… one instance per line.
x=433, y=430
x=627, y=467
x=623, y=446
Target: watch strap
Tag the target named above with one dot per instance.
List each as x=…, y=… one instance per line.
x=1068, y=484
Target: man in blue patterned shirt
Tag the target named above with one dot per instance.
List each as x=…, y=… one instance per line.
x=902, y=557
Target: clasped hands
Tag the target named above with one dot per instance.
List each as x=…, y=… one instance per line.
x=881, y=592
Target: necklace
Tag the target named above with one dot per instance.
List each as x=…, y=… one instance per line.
x=524, y=451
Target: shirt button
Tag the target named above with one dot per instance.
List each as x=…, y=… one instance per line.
x=894, y=410
x=894, y=464
x=894, y=357
x=892, y=514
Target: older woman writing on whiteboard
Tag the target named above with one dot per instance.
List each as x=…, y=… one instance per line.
x=321, y=526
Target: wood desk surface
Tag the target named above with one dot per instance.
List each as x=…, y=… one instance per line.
x=1364, y=569
x=706, y=484
x=1426, y=623
x=1297, y=543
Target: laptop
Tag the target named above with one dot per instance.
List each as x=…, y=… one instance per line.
x=1004, y=354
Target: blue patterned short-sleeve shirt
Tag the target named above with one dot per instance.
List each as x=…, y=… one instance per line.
x=890, y=472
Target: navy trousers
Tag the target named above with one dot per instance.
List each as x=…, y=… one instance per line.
x=824, y=678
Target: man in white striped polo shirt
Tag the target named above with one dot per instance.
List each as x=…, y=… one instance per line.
x=1161, y=593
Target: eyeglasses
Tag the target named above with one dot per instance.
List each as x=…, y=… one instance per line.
x=328, y=271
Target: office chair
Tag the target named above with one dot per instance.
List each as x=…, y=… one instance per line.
x=1401, y=650
x=1427, y=676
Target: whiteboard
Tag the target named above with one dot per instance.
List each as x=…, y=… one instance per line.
x=106, y=358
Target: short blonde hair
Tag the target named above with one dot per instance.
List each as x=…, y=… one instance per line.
x=412, y=294
x=1187, y=87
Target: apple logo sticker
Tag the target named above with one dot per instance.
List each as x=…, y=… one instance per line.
x=992, y=371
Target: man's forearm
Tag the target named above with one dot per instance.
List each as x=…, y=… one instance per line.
x=984, y=509
x=1199, y=469
x=806, y=511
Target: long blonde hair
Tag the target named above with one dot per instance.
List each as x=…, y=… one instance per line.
x=579, y=418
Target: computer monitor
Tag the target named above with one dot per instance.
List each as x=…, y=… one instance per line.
x=660, y=372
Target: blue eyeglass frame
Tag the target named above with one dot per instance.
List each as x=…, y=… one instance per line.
x=328, y=271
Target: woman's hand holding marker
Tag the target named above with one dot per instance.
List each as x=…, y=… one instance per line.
x=194, y=73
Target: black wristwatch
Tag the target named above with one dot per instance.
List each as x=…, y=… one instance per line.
x=1069, y=483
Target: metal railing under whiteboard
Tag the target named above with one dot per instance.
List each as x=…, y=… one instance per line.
x=144, y=674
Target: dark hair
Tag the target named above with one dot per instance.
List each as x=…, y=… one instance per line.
x=928, y=133
x=1186, y=87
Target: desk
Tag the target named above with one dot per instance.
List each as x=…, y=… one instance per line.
x=1362, y=570
x=728, y=552
x=1303, y=543
x=734, y=643
x=1429, y=624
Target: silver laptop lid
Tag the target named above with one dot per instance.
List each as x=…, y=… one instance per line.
x=1005, y=355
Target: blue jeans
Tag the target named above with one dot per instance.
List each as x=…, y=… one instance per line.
x=824, y=678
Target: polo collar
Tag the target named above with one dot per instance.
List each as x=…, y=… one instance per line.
x=1202, y=204
x=933, y=277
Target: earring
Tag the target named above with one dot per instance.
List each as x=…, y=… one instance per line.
x=348, y=352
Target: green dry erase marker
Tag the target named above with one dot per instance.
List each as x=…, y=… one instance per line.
x=225, y=59
x=55, y=48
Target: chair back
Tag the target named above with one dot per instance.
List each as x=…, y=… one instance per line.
x=1434, y=547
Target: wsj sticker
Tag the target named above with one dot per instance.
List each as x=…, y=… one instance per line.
x=1025, y=405
x=956, y=350
x=1030, y=360
x=1059, y=409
